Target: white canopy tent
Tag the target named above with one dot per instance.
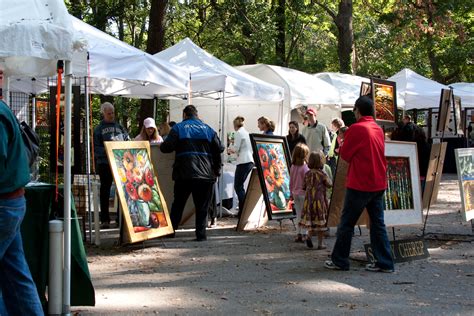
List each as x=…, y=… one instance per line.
x=300, y=89
x=34, y=35
x=227, y=91
x=415, y=91
x=115, y=68
x=464, y=90
x=347, y=85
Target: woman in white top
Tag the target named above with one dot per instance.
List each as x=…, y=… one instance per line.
x=149, y=132
x=243, y=149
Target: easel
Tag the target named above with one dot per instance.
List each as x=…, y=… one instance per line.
x=254, y=212
x=443, y=119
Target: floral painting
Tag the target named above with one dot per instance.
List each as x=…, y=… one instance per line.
x=274, y=173
x=143, y=204
x=385, y=101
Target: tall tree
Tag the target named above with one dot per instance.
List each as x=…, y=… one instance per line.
x=345, y=35
x=280, y=41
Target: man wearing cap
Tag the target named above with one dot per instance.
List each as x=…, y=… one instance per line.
x=316, y=133
x=197, y=165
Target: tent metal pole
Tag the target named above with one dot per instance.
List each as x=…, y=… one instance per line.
x=154, y=107
x=88, y=158
x=281, y=118
x=67, y=189
x=33, y=112
x=221, y=178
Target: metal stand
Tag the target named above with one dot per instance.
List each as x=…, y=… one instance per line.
x=292, y=219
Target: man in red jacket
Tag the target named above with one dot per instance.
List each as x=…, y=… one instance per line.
x=364, y=150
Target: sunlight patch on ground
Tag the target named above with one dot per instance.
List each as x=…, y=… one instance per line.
x=329, y=286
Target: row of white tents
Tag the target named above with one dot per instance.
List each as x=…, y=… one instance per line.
x=34, y=35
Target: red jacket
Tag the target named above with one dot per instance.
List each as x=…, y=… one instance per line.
x=364, y=150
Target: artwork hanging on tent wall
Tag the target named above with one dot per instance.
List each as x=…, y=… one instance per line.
x=444, y=111
x=272, y=159
x=465, y=167
x=384, y=94
x=402, y=199
x=144, y=207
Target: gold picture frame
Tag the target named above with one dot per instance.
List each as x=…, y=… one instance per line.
x=144, y=207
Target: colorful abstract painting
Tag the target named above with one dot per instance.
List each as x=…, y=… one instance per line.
x=274, y=172
x=142, y=202
x=399, y=193
x=385, y=101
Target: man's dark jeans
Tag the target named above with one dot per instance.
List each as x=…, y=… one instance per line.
x=202, y=191
x=106, y=179
x=354, y=203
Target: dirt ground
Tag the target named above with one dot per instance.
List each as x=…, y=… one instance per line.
x=265, y=273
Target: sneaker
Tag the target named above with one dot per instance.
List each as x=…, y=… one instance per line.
x=328, y=264
x=373, y=268
x=213, y=222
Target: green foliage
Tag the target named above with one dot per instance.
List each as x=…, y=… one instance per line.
x=434, y=38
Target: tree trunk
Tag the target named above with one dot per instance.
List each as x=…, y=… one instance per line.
x=280, y=40
x=155, y=44
x=345, y=39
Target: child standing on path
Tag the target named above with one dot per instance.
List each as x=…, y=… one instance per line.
x=315, y=205
x=297, y=173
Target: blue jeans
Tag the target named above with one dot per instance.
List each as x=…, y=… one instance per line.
x=241, y=173
x=18, y=291
x=354, y=203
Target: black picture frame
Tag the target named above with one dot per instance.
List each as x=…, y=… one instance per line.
x=272, y=159
x=384, y=94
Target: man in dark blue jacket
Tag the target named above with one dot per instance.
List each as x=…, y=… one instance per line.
x=196, y=167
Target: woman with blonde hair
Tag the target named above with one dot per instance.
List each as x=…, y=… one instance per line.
x=243, y=149
x=149, y=132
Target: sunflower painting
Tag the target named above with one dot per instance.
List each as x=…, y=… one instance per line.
x=385, y=100
x=274, y=173
x=144, y=208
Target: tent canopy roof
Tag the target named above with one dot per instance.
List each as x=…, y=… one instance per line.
x=220, y=76
x=116, y=68
x=34, y=35
x=464, y=90
x=300, y=88
x=347, y=85
x=415, y=91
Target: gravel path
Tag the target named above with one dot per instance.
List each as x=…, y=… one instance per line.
x=265, y=273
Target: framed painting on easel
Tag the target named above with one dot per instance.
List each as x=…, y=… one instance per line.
x=402, y=199
x=141, y=200
x=465, y=168
x=272, y=159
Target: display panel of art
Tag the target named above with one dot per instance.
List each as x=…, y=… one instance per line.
x=42, y=113
x=144, y=208
x=465, y=167
x=384, y=94
x=402, y=199
x=444, y=111
x=272, y=159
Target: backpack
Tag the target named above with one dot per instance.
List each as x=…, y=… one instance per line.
x=31, y=141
